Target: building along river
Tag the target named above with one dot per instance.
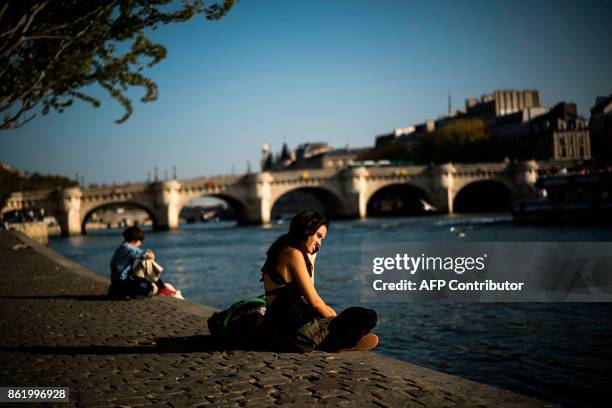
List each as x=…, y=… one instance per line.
x=561, y=352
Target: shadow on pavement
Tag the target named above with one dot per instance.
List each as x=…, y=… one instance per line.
x=64, y=297
x=190, y=344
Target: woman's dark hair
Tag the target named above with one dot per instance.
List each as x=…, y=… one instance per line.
x=306, y=224
x=133, y=234
x=302, y=226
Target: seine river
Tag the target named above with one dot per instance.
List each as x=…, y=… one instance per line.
x=555, y=351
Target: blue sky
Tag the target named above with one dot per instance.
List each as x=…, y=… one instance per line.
x=333, y=71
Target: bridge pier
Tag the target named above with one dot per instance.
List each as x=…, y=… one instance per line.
x=257, y=211
x=263, y=197
x=443, y=187
x=355, y=190
x=255, y=205
x=526, y=175
x=69, y=215
x=167, y=204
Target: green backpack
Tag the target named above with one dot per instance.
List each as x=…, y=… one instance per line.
x=237, y=323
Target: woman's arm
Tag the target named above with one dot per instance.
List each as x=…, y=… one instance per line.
x=297, y=268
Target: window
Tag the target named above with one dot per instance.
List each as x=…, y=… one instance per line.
x=561, y=141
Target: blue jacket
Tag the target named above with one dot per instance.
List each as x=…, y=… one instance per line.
x=124, y=259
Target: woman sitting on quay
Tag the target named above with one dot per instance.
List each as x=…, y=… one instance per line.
x=297, y=319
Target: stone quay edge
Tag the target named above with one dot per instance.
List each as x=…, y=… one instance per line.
x=58, y=329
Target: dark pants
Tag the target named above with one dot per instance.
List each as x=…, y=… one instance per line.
x=133, y=288
x=348, y=328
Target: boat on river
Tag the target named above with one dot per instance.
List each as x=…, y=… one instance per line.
x=572, y=198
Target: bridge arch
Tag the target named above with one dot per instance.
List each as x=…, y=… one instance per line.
x=492, y=195
x=238, y=206
x=48, y=207
x=14, y=206
x=398, y=199
x=330, y=204
x=240, y=209
x=88, y=212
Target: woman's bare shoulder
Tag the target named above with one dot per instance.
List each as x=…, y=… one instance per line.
x=290, y=255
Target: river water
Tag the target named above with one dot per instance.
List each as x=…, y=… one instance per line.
x=560, y=352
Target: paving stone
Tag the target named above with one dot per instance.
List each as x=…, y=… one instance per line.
x=62, y=331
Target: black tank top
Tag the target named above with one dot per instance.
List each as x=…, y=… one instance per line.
x=288, y=312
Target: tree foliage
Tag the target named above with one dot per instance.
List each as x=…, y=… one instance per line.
x=463, y=140
x=394, y=151
x=12, y=180
x=51, y=49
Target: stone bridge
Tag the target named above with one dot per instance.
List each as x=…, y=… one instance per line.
x=343, y=193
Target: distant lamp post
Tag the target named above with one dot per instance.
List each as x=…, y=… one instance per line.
x=174, y=172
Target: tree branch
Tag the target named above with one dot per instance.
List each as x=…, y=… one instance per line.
x=50, y=50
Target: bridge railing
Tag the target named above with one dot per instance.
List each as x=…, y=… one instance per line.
x=398, y=170
x=32, y=195
x=209, y=182
x=545, y=168
x=114, y=189
x=305, y=174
